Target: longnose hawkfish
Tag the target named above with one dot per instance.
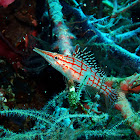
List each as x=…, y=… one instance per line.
x=75, y=68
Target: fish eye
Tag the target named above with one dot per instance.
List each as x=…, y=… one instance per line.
x=56, y=57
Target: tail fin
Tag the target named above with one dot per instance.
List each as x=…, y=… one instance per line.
x=111, y=99
x=113, y=95
x=110, y=93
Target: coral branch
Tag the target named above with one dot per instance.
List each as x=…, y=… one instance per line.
x=125, y=86
x=122, y=10
x=106, y=41
x=64, y=36
x=127, y=35
x=124, y=106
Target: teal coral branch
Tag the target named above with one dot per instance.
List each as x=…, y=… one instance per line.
x=103, y=39
x=40, y=116
x=64, y=36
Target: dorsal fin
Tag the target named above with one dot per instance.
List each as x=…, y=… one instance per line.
x=85, y=56
x=89, y=59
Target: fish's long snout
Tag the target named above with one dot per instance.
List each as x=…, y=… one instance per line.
x=39, y=51
x=42, y=52
x=48, y=56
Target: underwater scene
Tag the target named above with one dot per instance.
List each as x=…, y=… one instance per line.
x=69, y=69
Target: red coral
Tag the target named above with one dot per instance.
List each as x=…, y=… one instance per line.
x=5, y=3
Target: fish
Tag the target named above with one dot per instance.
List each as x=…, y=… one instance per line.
x=78, y=66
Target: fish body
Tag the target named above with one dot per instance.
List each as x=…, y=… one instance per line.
x=76, y=69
